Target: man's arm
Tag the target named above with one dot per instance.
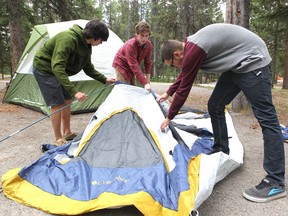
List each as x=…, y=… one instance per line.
x=59, y=60
x=194, y=56
x=131, y=55
x=148, y=61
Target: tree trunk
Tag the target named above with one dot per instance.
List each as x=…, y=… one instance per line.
x=237, y=12
x=274, y=59
x=186, y=18
x=275, y=50
x=17, y=43
x=154, y=33
x=129, y=21
x=285, y=74
x=1, y=58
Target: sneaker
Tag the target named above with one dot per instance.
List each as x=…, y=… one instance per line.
x=265, y=191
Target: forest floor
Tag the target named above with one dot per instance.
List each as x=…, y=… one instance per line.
x=226, y=199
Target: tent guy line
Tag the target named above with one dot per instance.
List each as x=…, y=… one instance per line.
x=47, y=116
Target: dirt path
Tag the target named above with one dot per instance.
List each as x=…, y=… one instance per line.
x=23, y=148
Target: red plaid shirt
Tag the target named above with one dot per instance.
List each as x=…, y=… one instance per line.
x=129, y=57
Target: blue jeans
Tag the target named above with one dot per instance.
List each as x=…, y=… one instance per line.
x=256, y=87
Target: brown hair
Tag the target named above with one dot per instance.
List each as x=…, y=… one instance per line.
x=142, y=27
x=168, y=48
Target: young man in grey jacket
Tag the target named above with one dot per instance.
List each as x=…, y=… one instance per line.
x=243, y=59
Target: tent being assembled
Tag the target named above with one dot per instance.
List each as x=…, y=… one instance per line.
x=24, y=89
x=122, y=158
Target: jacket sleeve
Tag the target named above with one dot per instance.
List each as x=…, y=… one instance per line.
x=59, y=61
x=132, y=54
x=93, y=73
x=172, y=89
x=193, y=58
x=147, y=59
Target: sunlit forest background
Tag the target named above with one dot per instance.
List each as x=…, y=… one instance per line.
x=168, y=19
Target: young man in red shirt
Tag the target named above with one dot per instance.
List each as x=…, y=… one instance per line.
x=129, y=57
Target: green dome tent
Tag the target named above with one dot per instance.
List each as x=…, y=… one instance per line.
x=23, y=89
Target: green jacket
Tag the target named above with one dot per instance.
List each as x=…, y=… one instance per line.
x=66, y=54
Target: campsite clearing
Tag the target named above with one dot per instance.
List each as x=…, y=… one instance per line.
x=226, y=199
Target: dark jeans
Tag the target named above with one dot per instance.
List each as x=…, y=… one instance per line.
x=256, y=87
x=52, y=91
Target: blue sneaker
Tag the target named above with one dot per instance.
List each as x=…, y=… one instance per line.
x=265, y=191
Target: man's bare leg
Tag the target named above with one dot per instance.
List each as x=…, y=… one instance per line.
x=56, y=121
x=66, y=116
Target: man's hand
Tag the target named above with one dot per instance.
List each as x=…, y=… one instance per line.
x=165, y=124
x=148, y=87
x=110, y=80
x=148, y=78
x=162, y=97
x=80, y=96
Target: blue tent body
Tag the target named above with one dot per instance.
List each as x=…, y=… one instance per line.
x=284, y=133
x=122, y=159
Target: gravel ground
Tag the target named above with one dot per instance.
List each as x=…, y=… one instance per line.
x=226, y=199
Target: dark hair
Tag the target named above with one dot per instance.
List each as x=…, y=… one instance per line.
x=96, y=30
x=168, y=48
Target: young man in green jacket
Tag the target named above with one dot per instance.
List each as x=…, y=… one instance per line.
x=64, y=55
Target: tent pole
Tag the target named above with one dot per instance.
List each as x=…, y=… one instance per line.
x=47, y=116
x=171, y=127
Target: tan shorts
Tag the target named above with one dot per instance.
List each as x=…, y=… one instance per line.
x=122, y=79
